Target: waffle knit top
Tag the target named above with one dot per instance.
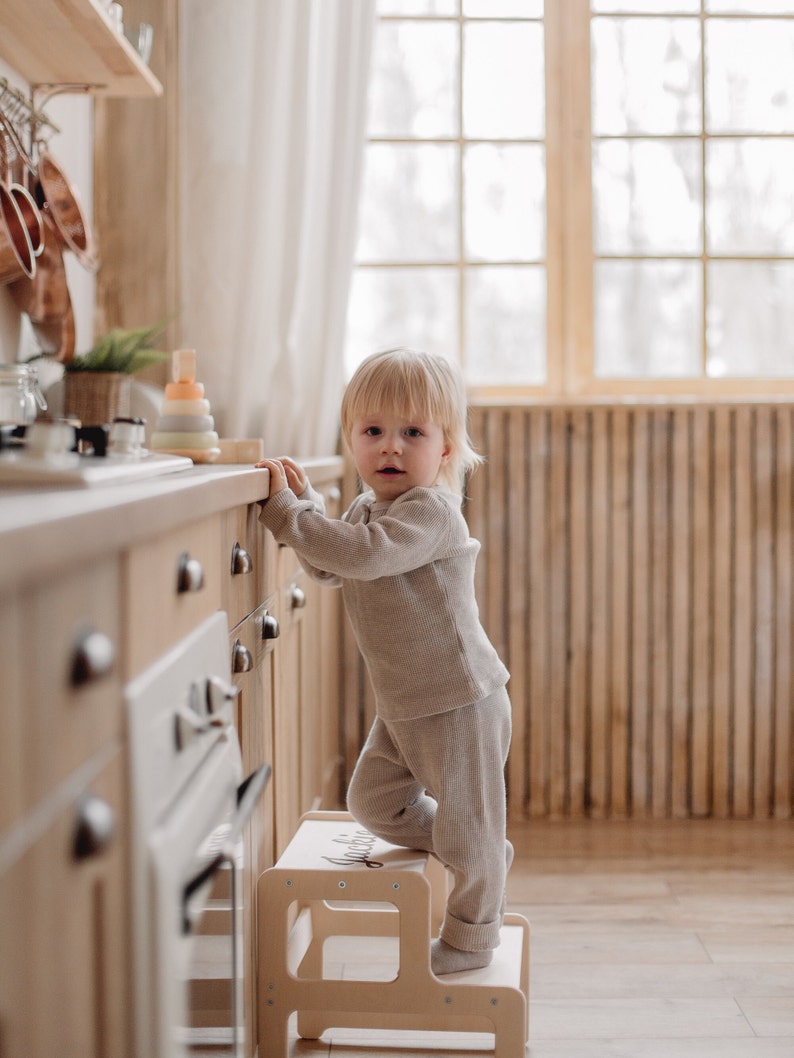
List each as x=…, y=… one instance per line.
x=406, y=569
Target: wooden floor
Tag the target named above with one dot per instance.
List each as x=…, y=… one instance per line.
x=649, y=940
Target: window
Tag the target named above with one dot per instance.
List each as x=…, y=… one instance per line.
x=582, y=198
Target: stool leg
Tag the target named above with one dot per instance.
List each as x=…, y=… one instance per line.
x=274, y=1036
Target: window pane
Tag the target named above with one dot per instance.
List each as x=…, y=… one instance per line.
x=750, y=319
x=409, y=203
x=506, y=326
x=750, y=208
x=648, y=319
x=503, y=78
x=416, y=307
x=414, y=82
x=749, y=86
x=503, y=8
x=648, y=7
x=751, y=7
x=504, y=202
x=646, y=75
x=418, y=7
x=647, y=197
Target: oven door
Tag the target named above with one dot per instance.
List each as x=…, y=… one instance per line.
x=195, y=860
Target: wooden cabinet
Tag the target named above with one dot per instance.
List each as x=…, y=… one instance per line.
x=73, y=632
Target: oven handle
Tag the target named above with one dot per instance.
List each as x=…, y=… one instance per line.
x=248, y=793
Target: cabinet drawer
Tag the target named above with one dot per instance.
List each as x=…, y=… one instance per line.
x=171, y=584
x=70, y=673
x=246, y=561
x=63, y=930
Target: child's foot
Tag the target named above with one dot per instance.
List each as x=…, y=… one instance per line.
x=444, y=959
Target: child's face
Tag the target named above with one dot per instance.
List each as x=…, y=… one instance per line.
x=394, y=454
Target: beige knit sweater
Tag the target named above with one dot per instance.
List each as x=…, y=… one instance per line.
x=406, y=570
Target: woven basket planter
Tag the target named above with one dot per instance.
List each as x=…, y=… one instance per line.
x=97, y=397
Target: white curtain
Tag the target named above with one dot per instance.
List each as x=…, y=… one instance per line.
x=273, y=113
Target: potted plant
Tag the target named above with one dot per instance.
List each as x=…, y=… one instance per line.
x=97, y=383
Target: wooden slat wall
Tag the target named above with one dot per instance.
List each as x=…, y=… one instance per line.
x=637, y=575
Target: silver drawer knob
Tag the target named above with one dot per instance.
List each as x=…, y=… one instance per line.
x=241, y=560
x=190, y=575
x=270, y=627
x=242, y=661
x=93, y=657
x=297, y=597
x=96, y=824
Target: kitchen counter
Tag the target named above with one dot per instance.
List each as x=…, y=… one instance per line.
x=46, y=528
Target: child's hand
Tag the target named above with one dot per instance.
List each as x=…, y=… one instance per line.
x=285, y=473
x=296, y=475
x=278, y=475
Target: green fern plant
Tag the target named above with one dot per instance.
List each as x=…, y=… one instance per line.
x=123, y=351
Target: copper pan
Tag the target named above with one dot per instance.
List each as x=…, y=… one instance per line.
x=14, y=162
x=55, y=195
x=17, y=259
x=45, y=297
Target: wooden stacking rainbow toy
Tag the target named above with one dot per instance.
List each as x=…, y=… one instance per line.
x=185, y=426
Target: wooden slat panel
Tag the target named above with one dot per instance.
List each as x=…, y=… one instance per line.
x=723, y=558
x=558, y=564
x=762, y=694
x=680, y=581
x=743, y=615
x=598, y=700
x=702, y=700
x=784, y=626
x=579, y=620
x=640, y=653
x=660, y=613
x=619, y=625
x=518, y=628
x=537, y=698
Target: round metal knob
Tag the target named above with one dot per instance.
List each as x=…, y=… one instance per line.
x=96, y=824
x=190, y=575
x=93, y=657
x=242, y=661
x=270, y=627
x=241, y=560
x=297, y=597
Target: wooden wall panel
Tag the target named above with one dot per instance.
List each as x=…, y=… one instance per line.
x=637, y=577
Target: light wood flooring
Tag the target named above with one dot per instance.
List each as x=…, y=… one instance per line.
x=649, y=940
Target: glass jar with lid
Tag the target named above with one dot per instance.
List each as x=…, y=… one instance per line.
x=20, y=396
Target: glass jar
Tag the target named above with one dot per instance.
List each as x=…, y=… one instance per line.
x=20, y=396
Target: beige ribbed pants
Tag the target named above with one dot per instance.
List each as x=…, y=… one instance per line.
x=437, y=784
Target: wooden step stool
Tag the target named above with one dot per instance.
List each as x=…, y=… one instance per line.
x=337, y=879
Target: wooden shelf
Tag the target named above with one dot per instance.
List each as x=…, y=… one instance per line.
x=72, y=42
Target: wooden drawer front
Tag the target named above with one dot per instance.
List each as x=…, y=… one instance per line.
x=256, y=680
x=159, y=610
x=64, y=940
x=12, y=801
x=70, y=673
x=245, y=579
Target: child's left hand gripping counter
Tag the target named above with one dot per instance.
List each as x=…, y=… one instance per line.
x=285, y=473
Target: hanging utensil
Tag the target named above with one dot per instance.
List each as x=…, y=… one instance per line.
x=55, y=194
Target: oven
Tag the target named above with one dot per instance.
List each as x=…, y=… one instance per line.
x=189, y=807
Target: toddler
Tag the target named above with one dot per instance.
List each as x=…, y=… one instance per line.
x=431, y=773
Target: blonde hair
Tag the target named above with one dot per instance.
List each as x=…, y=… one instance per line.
x=418, y=386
